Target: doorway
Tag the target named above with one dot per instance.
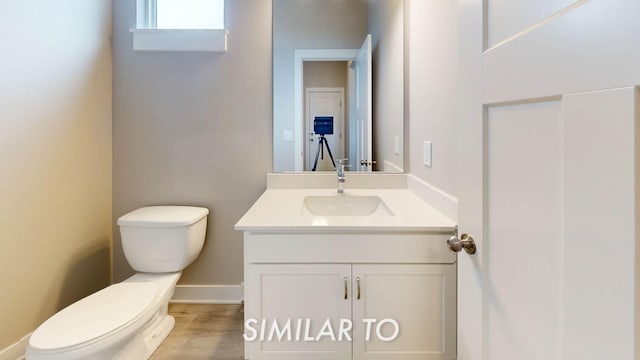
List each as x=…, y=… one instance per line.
x=324, y=102
x=359, y=102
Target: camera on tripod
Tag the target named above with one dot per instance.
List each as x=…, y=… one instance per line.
x=323, y=125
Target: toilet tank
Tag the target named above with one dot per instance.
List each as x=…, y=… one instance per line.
x=160, y=239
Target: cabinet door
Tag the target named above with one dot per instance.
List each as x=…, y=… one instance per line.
x=420, y=298
x=289, y=292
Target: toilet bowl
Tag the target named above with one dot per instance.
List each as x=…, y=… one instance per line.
x=128, y=320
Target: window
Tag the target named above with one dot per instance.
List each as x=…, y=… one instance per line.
x=190, y=14
x=180, y=25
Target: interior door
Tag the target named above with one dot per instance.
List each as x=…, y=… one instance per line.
x=548, y=123
x=324, y=102
x=364, y=128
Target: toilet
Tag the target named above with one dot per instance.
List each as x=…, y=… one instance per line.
x=129, y=320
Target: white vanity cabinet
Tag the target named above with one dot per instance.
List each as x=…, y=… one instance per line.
x=304, y=294
x=420, y=297
x=351, y=278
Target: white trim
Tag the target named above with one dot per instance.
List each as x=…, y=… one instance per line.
x=440, y=200
x=146, y=11
x=388, y=166
x=206, y=40
x=208, y=294
x=16, y=351
x=300, y=57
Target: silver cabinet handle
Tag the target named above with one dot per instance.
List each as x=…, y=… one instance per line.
x=346, y=289
x=465, y=242
x=358, y=282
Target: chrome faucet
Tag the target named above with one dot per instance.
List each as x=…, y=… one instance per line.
x=342, y=163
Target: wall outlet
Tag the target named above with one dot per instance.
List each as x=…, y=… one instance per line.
x=427, y=153
x=396, y=144
x=287, y=135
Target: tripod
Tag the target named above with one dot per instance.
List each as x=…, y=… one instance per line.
x=323, y=142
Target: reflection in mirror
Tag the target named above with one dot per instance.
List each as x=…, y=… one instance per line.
x=321, y=71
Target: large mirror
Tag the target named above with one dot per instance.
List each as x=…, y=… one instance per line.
x=338, y=84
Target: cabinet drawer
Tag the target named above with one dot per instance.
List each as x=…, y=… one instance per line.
x=347, y=248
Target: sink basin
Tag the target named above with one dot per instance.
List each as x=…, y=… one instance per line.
x=345, y=205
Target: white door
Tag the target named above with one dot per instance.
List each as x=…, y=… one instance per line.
x=548, y=121
x=324, y=102
x=420, y=297
x=364, y=128
x=293, y=293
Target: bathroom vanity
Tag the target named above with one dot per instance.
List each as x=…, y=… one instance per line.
x=365, y=275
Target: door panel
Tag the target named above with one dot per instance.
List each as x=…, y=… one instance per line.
x=524, y=231
x=599, y=265
x=420, y=298
x=592, y=47
x=578, y=67
x=507, y=18
x=364, y=127
x=305, y=291
x=324, y=102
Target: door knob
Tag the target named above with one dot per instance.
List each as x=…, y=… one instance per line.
x=464, y=242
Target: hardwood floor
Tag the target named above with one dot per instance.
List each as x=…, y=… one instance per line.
x=204, y=332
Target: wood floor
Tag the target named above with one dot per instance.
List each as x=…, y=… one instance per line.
x=204, y=332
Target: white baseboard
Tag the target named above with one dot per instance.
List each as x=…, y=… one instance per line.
x=15, y=351
x=208, y=294
x=440, y=200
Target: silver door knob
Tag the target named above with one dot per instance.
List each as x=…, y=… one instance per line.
x=464, y=242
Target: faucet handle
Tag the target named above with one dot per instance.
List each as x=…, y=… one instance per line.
x=343, y=162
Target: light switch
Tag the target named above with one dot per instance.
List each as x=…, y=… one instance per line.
x=287, y=135
x=427, y=153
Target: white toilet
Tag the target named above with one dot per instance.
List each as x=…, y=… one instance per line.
x=129, y=320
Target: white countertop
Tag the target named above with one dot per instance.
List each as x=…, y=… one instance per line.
x=280, y=210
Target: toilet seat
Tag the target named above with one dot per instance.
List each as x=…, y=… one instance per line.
x=107, y=316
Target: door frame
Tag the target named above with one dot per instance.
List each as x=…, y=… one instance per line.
x=306, y=130
x=302, y=55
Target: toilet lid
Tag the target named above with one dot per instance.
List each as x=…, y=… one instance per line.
x=94, y=316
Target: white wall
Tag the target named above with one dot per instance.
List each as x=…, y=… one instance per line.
x=194, y=129
x=303, y=24
x=55, y=158
x=432, y=90
x=386, y=25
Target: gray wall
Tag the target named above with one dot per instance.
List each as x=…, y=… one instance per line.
x=304, y=24
x=325, y=74
x=386, y=25
x=55, y=158
x=433, y=54
x=194, y=129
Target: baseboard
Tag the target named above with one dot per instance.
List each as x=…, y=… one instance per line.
x=440, y=200
x=15, y=351
x=208, y=294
